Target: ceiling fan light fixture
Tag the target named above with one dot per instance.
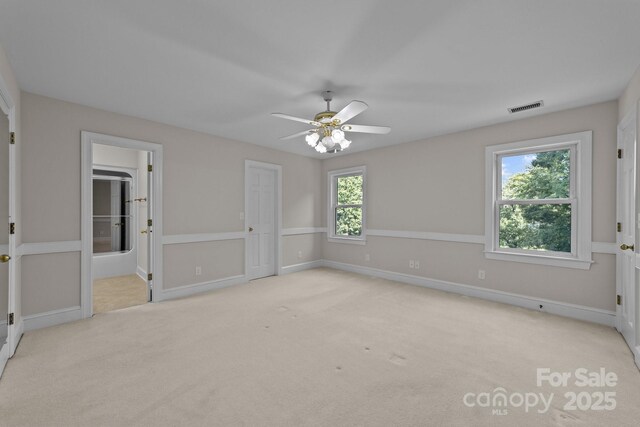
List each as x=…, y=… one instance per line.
x=337, y=135
x=328, y=142
x=312, y=139
x=329, y=128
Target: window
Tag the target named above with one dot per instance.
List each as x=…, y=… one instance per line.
x=346, y=205
x=538, y=201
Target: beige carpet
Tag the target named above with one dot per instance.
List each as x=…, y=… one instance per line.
x=319, y=347
x=119, y=292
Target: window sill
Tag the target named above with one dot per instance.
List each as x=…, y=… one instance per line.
x=349, y=240
x=540, y=260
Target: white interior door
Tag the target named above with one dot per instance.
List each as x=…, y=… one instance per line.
x=625, y=258
x=6, y=262
x=261, y=222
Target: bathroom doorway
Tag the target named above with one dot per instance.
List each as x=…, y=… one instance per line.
x=119, y=248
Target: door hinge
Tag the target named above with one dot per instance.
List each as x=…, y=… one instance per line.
x=150, y=168
x=150, y=276
x=619, y=299
x=149, y=222
x=10, y=319
x=619, y=226
x=12, y=228
x=12, y=137
x=619, y=153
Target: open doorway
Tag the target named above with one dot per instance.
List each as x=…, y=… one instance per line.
x=121, y=198
x=119, y=220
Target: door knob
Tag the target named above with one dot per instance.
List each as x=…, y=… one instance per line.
x=624, y=247
x=143, y=232
x=4, y=258
x=250, y=229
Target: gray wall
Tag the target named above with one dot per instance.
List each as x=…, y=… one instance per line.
x=437, y=185
x=414, y=186
x=203, y=193
x=630, y=95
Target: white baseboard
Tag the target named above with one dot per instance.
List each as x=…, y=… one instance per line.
x=579, y=312
x=302, y=266
x=574, y=311
x=51, y=318
x=196, y=288
x=141, y=273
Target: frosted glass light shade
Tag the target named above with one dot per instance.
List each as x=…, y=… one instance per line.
x=337, y=135
x=327, y=141
x=312, y=138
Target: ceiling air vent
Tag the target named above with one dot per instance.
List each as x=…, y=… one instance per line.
x=526, y=107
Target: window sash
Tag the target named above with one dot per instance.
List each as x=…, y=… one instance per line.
x=334, y=176
x=572, y=200
x=335, y=222
x=572, y=166
x=574, y=230
x=337, y=206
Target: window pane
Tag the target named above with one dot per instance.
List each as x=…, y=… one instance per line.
x=536, y=227
x=544, y=175
x=350, y=190
x=348, y=221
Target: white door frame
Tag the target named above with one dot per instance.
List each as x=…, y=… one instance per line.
x=88, y=139
x=14, y=332
x=278, y=203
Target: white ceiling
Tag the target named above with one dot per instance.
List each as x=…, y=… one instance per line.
x=424, y=67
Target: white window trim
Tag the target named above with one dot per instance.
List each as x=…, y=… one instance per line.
x=331, y=192
x=581, y=145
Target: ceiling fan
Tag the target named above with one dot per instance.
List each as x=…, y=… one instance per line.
x=328, y=133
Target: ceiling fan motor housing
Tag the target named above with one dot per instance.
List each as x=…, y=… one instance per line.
x=324, y=117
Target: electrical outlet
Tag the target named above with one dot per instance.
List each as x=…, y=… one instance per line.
x=481, y=274
x=241, y=215
x=299, y=254
x=416, y=264
x=367, y=257
x=198, y=270
x=411, y=263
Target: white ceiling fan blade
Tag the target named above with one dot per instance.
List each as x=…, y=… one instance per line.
x=295, y=135
x=366, y=129
x=350, y=111
x=296, y=119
